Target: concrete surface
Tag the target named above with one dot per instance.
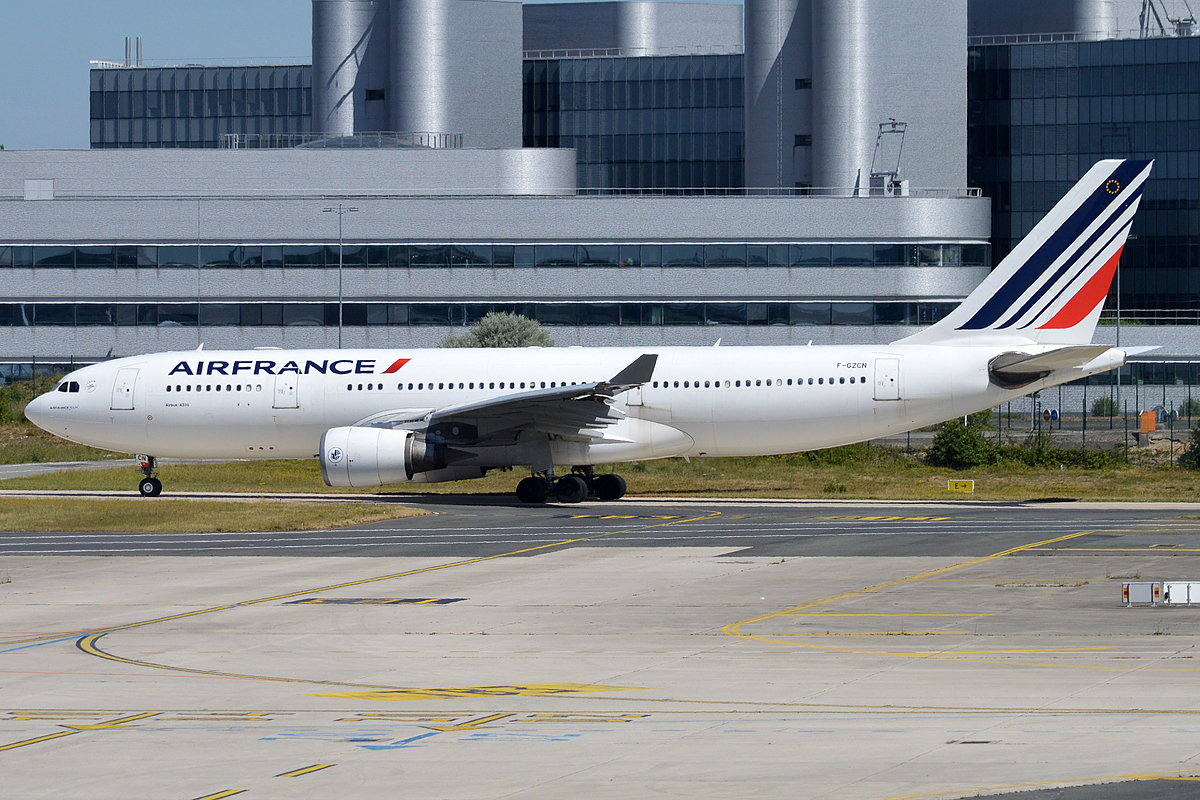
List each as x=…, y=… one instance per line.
x=615, y=650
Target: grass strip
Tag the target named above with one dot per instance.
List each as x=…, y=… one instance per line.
x=137, y=515
x=886, y=475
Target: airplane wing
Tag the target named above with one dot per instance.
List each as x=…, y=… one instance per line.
x=581, y=411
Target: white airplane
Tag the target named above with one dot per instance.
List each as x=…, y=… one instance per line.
x=376, y=417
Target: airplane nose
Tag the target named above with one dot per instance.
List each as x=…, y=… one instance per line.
x=36, y=411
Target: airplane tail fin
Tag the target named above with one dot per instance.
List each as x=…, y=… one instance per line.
x=1051, y=287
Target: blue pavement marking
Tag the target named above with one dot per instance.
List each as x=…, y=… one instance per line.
x=400, y=745
x=39, y=644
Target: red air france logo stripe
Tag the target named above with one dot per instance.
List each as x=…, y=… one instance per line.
x=395, y=367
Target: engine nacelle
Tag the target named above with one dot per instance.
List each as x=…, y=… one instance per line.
x=353, y=458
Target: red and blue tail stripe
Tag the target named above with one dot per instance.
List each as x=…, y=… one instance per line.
x=1053, y=283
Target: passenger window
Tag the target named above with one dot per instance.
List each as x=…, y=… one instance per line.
x=168, y=387
x=821, y=381
x=789, y=381
x=737, y=383
x=218, y=387
x=706, y=384
x=851, y=379
x=676, y=384
x=758, y=382
x=768, y=381
x=810, y=381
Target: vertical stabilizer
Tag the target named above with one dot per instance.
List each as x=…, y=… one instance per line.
x=1051, y=287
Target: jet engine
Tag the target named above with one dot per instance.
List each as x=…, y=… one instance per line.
x=353, y=458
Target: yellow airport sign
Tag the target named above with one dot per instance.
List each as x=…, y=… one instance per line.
x=960, y=486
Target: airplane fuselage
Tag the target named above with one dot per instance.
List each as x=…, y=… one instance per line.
x=710, y=401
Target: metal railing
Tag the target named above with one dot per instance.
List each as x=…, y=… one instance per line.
x=265, y=61
x=636, y=52
x=369, y=140
x=773, y=191
x=1078, y=36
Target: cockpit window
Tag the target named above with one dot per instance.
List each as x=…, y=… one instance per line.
x=62, y=387
x=68, y=386
x=74, y=387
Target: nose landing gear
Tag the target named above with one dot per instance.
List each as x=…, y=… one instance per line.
x=149, y=486
x=573, y=488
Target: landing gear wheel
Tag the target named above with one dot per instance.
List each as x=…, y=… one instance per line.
x=533, y=490
x=150, y=487
x=609, y=487
x=570, y=489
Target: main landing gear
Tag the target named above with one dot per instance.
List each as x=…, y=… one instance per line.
x=150, y=486
x=541, y=486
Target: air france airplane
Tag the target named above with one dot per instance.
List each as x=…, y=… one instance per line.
x=377, y=417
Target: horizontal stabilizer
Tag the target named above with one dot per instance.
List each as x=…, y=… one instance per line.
x=637, y=373
x=1012, y=370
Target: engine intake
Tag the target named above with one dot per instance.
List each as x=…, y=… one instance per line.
x=353, y=458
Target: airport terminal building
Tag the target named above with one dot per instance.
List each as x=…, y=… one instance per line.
x=624, y=172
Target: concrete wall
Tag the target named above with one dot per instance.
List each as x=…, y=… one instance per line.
x=350, y=57
x=778, y=53
x=1104, y=17
x=637, y=27
x=177, y=174
x=456, y=68
x=442, y=66
x=880, y=59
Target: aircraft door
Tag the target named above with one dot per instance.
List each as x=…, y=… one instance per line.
x=635, y=396
x=887, y=379
x=286, y=395
x=122, y=396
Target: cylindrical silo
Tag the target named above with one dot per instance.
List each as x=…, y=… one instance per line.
x=637, y=27
x=1096, y=17
x=844, y=124
x=341, y=33
x=421, y=67
x=777, y=58
x=879, y=60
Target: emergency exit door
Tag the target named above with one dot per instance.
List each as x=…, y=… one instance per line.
x=285, y=392
x=887, y=379
x=122, y=396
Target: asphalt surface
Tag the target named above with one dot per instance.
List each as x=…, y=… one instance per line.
x=642, y=648
x=465, y=526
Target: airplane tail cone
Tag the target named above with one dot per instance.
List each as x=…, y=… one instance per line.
x=1051, y=287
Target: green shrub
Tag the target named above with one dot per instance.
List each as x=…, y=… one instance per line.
x=1190, y=457
x=1104, y=406
x=502, y=329
x=1190, y=407
x=959, y=446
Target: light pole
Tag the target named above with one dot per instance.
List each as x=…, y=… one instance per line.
x=340, y=211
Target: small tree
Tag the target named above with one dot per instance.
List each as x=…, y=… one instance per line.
x=1190, y=457
x=1104, y=406
x=502, y=329
x=959, y=447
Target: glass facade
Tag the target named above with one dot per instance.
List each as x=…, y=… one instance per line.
x=1041, y=114
x=672, y=122
x=195, y=106
x=592, y=314
x=433, y=256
